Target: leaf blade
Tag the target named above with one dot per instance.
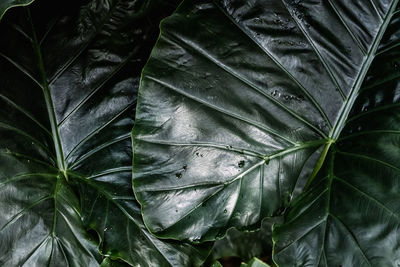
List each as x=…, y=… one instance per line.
x=258, y=76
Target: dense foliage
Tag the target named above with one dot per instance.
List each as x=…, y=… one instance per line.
x=280, y=117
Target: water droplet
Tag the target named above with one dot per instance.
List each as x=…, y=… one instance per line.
x=176, y=210
x=257, y=20
x=178, y=175
x=274, y=93
x=105, y=229
x=225, y=211
x=267, y=160
x=241, y=164
x=359, y=128
x=195, y=239
x=138, y=31
x=364, y=109
x=396, y=66
x=300, y=98
x=322, y=125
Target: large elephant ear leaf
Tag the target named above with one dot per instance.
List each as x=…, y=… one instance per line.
x=240, y=103
x=350, y=214
x=68, y=87
x=7, y=4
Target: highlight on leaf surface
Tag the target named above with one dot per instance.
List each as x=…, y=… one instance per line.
x=244, y=104
x=69, y=75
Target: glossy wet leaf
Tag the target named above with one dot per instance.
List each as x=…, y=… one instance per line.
x=240, y=103
x=216, y=264
x=244, y=245
x=350, y=215
x=255, y=263
x=107, y=262
x=68, y=85
x=7, y=4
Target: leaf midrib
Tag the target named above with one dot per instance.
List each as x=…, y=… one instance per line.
x=49, y=103
x=346, y=108
x=345, y=111
x=349, y=102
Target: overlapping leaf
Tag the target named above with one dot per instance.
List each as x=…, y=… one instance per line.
x=244, y=245
x=68, y=84
x=240, y=102
x=255, y=263
x=7, y=4
x=350, y=216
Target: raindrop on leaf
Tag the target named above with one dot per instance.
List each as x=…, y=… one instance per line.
x=241, y=164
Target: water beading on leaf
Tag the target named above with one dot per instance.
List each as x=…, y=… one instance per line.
x=242, y=103
x=350, y=215
x=68, y=83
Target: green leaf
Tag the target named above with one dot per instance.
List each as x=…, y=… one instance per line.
x=350, y=215
x=255, y=263
x=107, y=262
x=68, y=85
x=240, y=102
x=244, y=245
x=216, y=264
x=7, y=4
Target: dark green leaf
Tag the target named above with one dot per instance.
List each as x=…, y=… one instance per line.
x=107, y=262
x=216, y=264
x=255, y=263
x=7, y=4
x=350, y=216
x=240, y=102
x=244, y=245
x=68, y=85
